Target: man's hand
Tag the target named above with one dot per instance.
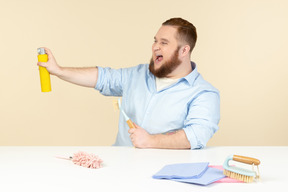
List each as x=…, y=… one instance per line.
x=84, y=76
x=140, y=137
x=51, y=65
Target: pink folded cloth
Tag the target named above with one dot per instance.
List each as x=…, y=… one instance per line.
x=225, y=179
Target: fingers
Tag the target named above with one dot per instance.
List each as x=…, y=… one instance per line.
x=42, y=64
x=48, y=52
x=131, y=131
x=46, y=49
x=50, y=58
x=131, y=137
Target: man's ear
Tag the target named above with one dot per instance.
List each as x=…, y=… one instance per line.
x=184, y=50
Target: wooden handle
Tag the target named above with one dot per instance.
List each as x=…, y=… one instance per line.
x=247, y=160
x=130, y=123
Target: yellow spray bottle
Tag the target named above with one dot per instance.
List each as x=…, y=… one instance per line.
x=44, y=74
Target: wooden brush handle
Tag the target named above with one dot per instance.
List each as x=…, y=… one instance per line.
x=130, y=123
x=247, y=160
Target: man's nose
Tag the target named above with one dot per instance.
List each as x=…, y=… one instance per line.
x=156, y=47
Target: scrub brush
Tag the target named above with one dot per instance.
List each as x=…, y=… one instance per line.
x=240, y=173
x=117, y=105
x=85, y=160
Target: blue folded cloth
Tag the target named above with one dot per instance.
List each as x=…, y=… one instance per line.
x=211, y=175
x=195, y=173
x=182, y=171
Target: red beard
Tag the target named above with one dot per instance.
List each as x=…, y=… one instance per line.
x=167, y=67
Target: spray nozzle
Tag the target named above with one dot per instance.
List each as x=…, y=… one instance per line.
x=41, y=51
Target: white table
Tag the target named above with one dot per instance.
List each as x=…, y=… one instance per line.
x=129, y=169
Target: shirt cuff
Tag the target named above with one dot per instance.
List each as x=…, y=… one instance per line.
x=99, y=84
x=194, y=143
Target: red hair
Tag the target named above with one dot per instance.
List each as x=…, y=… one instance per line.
x=186, y=31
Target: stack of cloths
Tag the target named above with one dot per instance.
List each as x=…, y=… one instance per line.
x=195, y=173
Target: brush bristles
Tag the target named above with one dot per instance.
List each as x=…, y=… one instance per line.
x=246, y=179
x=115, y=105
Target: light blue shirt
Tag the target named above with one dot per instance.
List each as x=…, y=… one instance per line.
x=191, y=104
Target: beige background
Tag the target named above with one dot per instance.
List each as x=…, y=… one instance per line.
x=241, y=50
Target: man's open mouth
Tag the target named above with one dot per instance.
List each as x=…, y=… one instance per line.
x=159, y=58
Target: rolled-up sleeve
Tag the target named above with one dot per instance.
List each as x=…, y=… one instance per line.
x=109, y=82
x=202, y=118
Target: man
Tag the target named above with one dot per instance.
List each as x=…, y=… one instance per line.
x=170, y=103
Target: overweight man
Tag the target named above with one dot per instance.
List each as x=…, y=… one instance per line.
x=170, y=103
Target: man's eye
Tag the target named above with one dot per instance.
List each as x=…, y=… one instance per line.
x=163, y=43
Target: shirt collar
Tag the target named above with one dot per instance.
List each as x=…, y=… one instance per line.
x=190, y=78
